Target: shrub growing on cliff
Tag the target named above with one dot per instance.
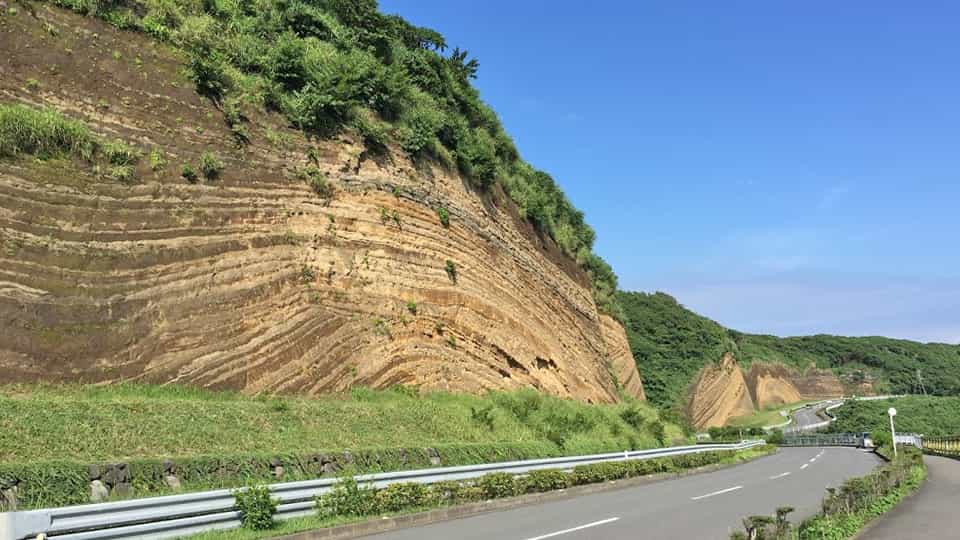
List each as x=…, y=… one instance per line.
x=451, y=270
x=444, y=216
x=187, y=172
x=118, y=152
x=317, y=180
x=210, y=165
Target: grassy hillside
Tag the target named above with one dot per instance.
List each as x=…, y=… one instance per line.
x=928, y=415
x=333, y=65
x=670, y=343
x=125, y=421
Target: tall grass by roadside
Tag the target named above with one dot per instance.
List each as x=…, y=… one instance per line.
x=43, y=132
x=141, y=421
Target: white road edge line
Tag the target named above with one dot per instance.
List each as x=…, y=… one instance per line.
x=805, y=465
x=722, y=491
x=781, y=475
x=581, y=527
x=812, y=460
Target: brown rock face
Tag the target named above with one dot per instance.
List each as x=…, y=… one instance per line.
x=771, y=385
x=622, y=364
x=719, y=393
x=252, y=281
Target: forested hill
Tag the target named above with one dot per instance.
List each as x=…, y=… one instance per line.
x=671, y=343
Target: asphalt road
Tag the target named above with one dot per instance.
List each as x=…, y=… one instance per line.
x=807, y=416
x=701, y=506
x=931, y=512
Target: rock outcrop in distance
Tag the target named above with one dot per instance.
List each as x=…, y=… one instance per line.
x=253, y=281
x=723, y=390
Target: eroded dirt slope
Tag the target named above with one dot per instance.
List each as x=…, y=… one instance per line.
x=253, y=281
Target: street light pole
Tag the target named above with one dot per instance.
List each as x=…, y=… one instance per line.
x=893, y=434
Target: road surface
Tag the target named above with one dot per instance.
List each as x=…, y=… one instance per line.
x=701, y=506
x=805, y=418
x=931, y=512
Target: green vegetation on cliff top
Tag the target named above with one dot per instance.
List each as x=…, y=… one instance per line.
x=331, y=65
x=671, y=343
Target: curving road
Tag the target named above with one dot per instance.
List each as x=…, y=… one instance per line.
x=807, y=419
x=702, y=506
x=931, y=512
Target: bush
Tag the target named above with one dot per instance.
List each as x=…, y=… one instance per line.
x=451, y=270
x=444, y=216
x=545, y=480
x=632, y=417
x=256, y=507
x=120, y=153
x=317, y=180
x=157, y=162
x=400, y=496
x=208, y=72
x=412, y=307
x=43, y=132
x=497, y=485
x=121, y=173
x=188, y=173
x=210, y=165
x=347, y=499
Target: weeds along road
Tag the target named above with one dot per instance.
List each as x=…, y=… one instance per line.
x=702, y=506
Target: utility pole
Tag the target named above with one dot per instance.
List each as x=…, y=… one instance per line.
x=893, y=434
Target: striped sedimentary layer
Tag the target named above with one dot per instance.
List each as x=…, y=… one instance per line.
x=253, y=281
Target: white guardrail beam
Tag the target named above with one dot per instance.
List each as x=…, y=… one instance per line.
x=182, y=515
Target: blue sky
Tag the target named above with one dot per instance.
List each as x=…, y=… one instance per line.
x=782, y=167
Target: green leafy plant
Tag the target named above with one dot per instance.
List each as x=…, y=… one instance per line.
x=210, y=165
x=256, y=507
x=317, y=180
x=156, y=160
x=546, y=480
x=451, y=270
x=412, y=307
x=347, y=498
x=121, y=173
x=187, y=172
x=444, y=216
x=120, y=153
x=498, y=485
x=400, y=496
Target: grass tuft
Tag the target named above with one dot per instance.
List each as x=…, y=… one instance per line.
x=44, y=133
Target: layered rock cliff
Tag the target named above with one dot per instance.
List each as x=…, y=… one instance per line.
x=254, y=281
x=719, y=393
x=723, y=391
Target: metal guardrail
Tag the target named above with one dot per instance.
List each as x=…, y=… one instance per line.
x=945, y=446
x=818, y=425
x=824, y=439
x=182, y=515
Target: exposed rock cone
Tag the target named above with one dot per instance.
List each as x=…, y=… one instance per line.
x=771, y=385
x=253, y=281
x=719, y=393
